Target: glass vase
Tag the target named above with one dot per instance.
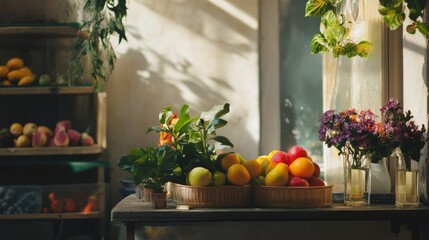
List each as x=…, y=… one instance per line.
x=357, y=181
x=380, y=177
x=406, y=182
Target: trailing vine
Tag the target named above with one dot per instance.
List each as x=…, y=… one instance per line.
x=105, y=19
x=334, y=35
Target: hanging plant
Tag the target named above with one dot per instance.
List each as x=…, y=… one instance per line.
x=334, y=35
x=105, y=19
x=393, y=12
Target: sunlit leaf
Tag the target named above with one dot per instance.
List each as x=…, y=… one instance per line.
x=318, y=7
x=363, y=49
x=423, y=28
x=393, y=17
x=319, y=44
x=411, y=29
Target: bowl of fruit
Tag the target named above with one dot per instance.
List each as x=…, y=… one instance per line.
x=292, y=180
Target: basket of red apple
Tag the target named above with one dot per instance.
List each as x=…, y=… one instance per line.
x=291, y=180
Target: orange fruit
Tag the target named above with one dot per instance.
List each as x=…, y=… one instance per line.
x=238, y=175
x=302, y=167
x=229, y=160
x=254, y=168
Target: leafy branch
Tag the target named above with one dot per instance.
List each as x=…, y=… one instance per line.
x=334, y=35
x=393, y=12
x=106, y=19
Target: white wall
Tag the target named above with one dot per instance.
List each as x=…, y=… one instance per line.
x=201, y=53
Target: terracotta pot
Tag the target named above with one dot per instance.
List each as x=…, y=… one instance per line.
x=158, y=200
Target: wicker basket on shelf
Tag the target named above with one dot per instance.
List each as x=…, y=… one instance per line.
x=212, y=196
x=292, y=197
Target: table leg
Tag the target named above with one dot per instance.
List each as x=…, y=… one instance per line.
x=130, y=230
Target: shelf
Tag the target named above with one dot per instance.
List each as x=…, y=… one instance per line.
x=50, y=216
x=30, y=151
x=87, y=89
x=60, y=29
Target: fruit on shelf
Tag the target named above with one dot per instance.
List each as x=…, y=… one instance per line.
x=45, y=79
x=74, y=137
x=296, y=152
x=91, y=206
x=63, y=123
x=15, y=76
x=298, y=182
x=238, y=175
x=61, y=139
x=6, y=138
x=4, y=70
x=26, y=80
x=69, y=205
x=86, y=139
x=302, y=167
x=6, y=83
x=16, y=129
x=270, y=167
x=199, y=176
x=47, y=131
x=279, y=176
x=22, y=141
x=15, y=63
x=316, y=181
x=39, y=139
x=271, y=154
x=29, y=129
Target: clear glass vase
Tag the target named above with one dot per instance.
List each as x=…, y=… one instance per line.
x=406, y=180
x=357, y=181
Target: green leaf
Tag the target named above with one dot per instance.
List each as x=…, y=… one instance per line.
x=216, y=112
x=334, y=33
x=318, y=7
x=156, y=129
x=423, y=28
x=126, y=162
x=363, y=49
x=184, y=118
x=416, y=8
x=393, y=17
x=338, y=50
x=391, y=3
x=319, y=44
x=223, y=140
x=164, y=114
x=351, y=50
x=215, y=124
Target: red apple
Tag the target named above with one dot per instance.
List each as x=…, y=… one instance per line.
x=316, y=172
x=298, y=182
x=296, y=152
x=316, y=181
x=280, y=156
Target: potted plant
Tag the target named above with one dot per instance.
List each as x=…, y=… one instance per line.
x=153, y=168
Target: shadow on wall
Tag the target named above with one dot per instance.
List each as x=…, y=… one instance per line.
x=145, y=81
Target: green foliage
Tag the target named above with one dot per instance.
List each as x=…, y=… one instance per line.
x=194, y=138
x=152, y=167
x=393, y=12
x=106, y=19
x=334, y=36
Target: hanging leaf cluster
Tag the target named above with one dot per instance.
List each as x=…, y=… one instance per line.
x=334, y=36
x=105, y=19
x=393, y=12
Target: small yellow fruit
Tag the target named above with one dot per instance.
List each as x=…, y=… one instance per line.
x=15, y=63
x=6, y=83
x=270, y=167
x=279, y=176
x=22, y=141
x=219, y=178
x=253, y=167
x=228, y=160
x=240, y=158
x=271, y=154
x=15, y=129
x=238, y=175
x=26, y=71
x=29, y=129
x=15, y=75
x=27, y=80
x=262, y=158
x=4, y=70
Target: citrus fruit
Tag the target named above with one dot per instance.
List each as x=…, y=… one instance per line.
x=228, y=160
x=16, y=129
x=199, y=176
x=262, y=158
x=219, y=178
x=302, y=167
x=253, y=167
x=238, y=175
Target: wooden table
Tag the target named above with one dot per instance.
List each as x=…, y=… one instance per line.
x=131, y=212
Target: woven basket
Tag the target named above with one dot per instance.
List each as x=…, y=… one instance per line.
x=212, y=196
x=292, y=197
